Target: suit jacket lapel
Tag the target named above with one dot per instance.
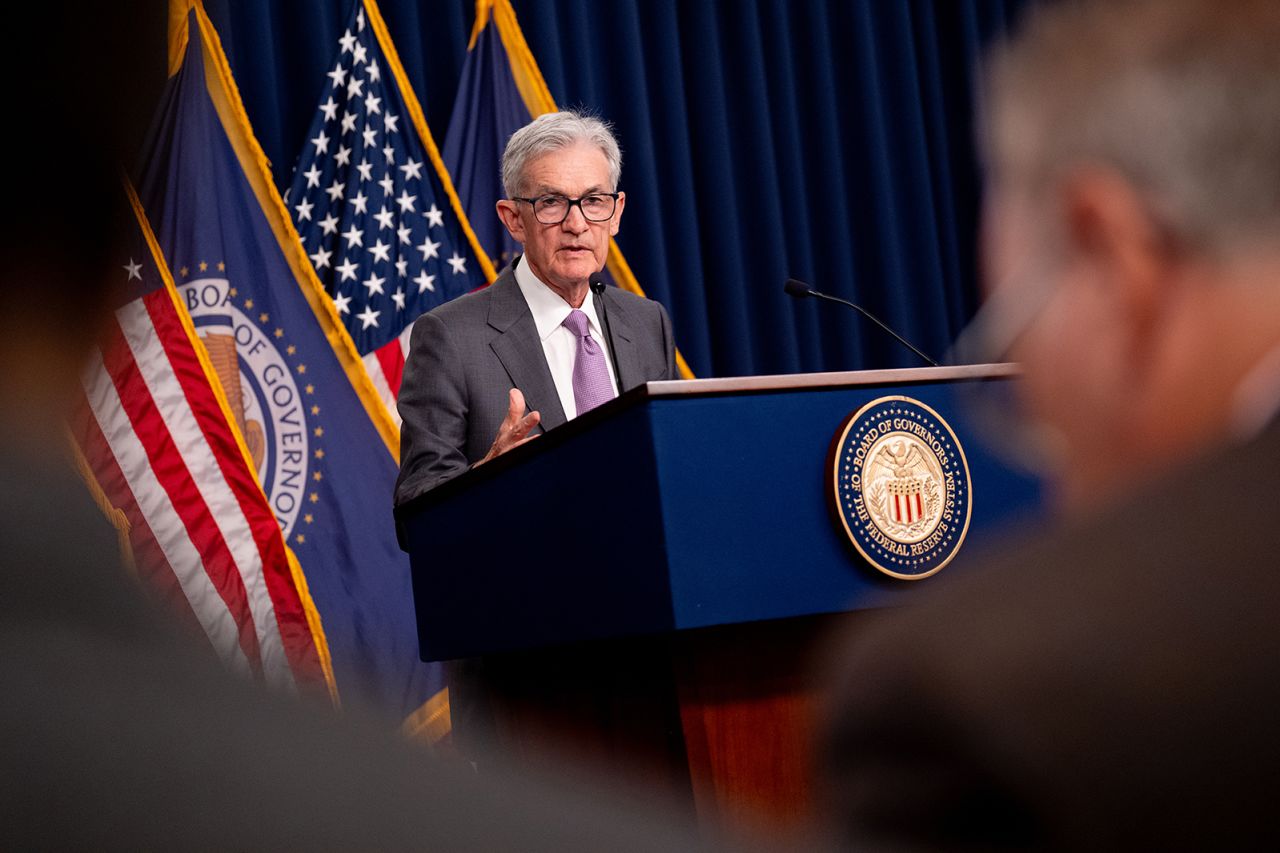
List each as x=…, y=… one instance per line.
x=519, y=349
x=624, y=337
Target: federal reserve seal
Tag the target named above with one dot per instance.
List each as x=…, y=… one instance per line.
x=899, y=482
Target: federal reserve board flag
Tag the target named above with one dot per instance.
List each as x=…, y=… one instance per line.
x=374, y=206
x=319, y=437
x=155, y=435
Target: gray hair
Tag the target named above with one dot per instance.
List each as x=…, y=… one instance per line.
x=551, y=132
x=1182, y=97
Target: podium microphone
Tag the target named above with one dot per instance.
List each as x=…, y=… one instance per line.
x=799, y=289
x=597, y=287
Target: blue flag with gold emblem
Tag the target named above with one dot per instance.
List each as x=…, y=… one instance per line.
x=487, y=110
x=324, y=445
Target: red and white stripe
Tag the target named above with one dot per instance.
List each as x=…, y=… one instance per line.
x=201, y=529
x=386, y=369
x=908, y=509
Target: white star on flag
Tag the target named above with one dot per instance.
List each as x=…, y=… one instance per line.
x=320, y=258
x=347, y=270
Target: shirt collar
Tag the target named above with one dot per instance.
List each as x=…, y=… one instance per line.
x=548, y=309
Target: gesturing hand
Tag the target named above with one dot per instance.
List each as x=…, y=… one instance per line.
x=515, y=427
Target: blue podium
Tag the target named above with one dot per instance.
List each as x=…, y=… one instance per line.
x=648, y=582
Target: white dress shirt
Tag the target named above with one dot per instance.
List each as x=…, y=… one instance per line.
x=560, y=345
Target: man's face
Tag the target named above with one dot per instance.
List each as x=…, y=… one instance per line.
x=1075, y=348
x=563, y=255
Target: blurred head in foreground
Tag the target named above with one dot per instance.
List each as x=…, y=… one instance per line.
x=89, y=77
x=1134, y=220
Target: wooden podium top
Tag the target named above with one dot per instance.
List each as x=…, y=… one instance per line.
x=690, y=388
x=814, y=381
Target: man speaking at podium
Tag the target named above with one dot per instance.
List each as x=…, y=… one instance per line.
x=494, y=369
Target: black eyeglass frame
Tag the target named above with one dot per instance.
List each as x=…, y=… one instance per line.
x=533, y=202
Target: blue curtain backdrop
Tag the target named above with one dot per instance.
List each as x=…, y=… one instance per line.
x=829, y=140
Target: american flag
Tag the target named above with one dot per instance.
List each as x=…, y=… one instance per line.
x=373, y=206
x=161, y=450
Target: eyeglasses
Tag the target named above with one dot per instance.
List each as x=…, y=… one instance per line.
x=994, y=410
x=554, y=209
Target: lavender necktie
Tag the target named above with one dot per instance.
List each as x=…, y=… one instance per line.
x=591, y=385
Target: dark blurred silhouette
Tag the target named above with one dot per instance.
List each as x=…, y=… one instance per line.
x=117, y=731
x=1112, y=683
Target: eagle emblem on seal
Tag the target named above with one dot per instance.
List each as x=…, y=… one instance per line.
x=899, y=485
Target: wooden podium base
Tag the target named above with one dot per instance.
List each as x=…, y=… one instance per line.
x=721, y=719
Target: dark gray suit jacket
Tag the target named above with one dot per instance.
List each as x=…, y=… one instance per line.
x=1111, y=685
x=468, y=353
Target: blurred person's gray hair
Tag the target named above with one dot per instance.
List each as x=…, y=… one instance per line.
x=1181, y=97
x=552, y=132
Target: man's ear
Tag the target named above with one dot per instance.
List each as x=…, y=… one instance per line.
x=509, y=213
x=617, y=215
x=1111, y=231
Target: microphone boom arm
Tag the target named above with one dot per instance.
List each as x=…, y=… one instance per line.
x=799, y=289
x=873, y=318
